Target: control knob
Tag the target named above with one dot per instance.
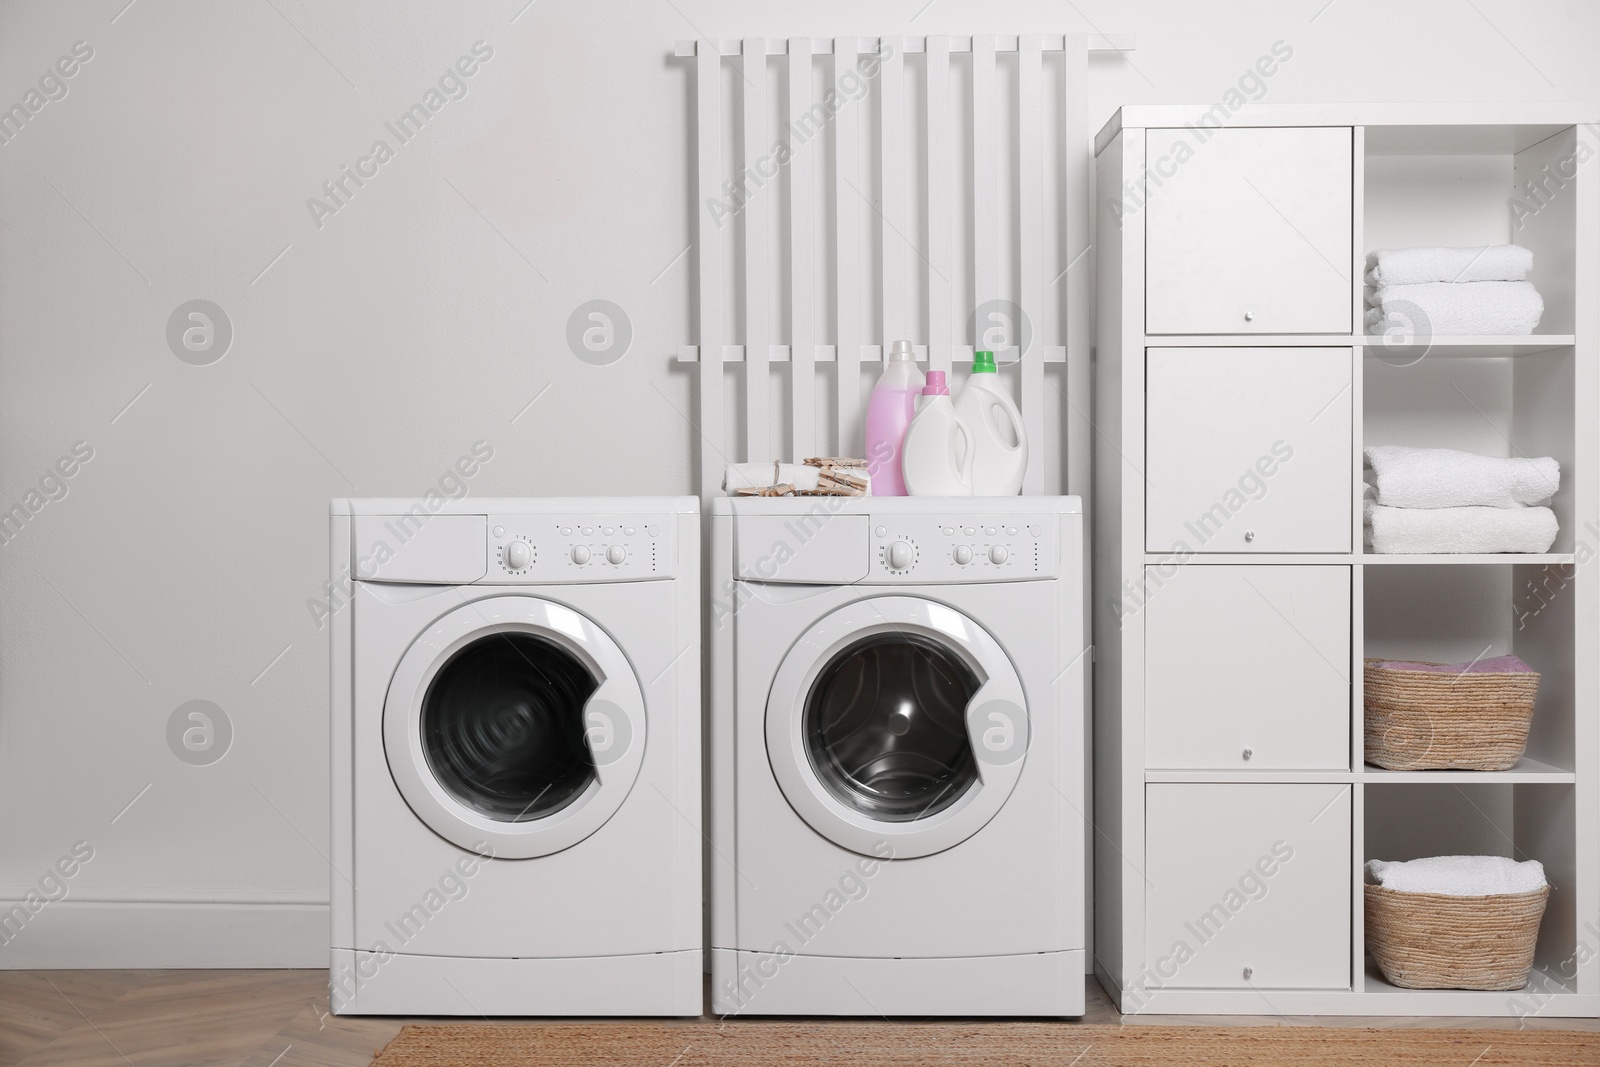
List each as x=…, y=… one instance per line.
x=899, y=556
x=962, y=554
x=579, y=554
x=518, y=555
x=997, y=554
x=616, y=554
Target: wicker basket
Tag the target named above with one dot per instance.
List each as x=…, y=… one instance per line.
x=1432, y=720
x=1431, y=941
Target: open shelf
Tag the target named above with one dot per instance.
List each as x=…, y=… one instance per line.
x=1457, y=559
x=1450, y=189
x=1451, y=614
x=1547, y=994
x=1514, y=407
x=1406, y=351
x=1526, y=770
x=1519, y=820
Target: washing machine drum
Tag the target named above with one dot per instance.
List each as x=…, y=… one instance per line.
x=897, y=723
x=502, y=726
x=885, y=726
x=514, y=727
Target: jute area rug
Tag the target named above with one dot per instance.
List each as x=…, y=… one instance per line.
x=777, y=1044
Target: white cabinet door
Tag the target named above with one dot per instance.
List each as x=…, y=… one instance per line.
x=1248, y=886
x=1247, y=667
x=1249, y=230
x=1248, y=450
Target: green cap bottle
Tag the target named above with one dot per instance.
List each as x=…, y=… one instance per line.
x=983, y=363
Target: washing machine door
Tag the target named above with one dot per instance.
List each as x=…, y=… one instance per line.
x=897, y=721
x=514, y=723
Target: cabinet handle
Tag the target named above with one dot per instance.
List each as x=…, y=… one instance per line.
x=1249, y=535
x=1249, y=316
x=1248, y=753
x=1248, y=971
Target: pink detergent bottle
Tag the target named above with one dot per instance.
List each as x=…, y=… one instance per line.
x=889, y=413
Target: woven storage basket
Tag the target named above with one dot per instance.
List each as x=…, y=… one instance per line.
x=1433, y=720
x=1432, y=941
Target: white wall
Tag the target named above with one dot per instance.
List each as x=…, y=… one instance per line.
x=422, y=317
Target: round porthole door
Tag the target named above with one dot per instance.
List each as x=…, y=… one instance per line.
x=514, y=723
x=897, y=720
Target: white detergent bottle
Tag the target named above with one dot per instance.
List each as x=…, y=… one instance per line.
x=937, y=457
x=999, y=443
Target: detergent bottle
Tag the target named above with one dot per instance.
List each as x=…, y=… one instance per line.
x=889, y=413
x=938, y=452
x=999, y=443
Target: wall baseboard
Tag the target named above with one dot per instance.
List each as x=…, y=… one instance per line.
x=71, y=934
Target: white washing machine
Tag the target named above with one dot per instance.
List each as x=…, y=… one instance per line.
x=897, y=756
x=516, y=757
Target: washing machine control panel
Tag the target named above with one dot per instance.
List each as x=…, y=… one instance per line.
x=580, y=548
x=971, y=548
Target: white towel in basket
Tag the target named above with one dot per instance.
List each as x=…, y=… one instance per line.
x=1458, y=876
x=1444, y=478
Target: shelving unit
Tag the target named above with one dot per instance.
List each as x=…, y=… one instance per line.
x=1233, y=610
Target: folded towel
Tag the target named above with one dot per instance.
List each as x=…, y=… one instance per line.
x=819, y=475
x=802, y=477
x=1459, y=876
x=1482, y=263
x=1442, y=309
x=1444, y=478
x=1403, y=530
x=749, y=476
x=1498, y=665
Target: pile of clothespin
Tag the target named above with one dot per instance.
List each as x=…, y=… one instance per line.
x=817, y=476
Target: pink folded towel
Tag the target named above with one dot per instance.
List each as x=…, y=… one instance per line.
x=1498, y=665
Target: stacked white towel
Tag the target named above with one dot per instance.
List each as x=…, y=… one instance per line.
x=1459, y=876
x=1444, y=478
x=1483, y=263
x=1425, y=500
x=1453, y=291
x=1455, y=530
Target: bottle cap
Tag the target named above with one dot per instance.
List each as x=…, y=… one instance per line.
x=983, y=363
x=935, y=385
x=902, y=350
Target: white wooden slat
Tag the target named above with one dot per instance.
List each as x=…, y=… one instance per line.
x=940, y=120
x=708, y=254
x=1078, y=148
x=849, y=183
x=869, y=353
x=802, y=309
x=985, y=180
x=848, y=209
x=893, y=197
x=757, y=299
x=1096, y=42
x=1030, y=236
